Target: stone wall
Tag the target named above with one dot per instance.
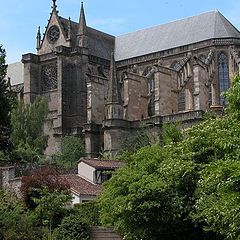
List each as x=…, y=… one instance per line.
x=135, y=97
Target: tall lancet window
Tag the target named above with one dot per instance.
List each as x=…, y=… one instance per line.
x=181, y=100
x=151, y=103
x=223, y=76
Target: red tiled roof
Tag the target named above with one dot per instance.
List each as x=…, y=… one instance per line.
x=81, y=186
x=102, y=164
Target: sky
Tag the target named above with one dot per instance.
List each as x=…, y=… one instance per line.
x=19, y=20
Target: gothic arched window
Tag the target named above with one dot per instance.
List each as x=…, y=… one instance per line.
x=151, y=103
x=181, y=100
x=223, y=75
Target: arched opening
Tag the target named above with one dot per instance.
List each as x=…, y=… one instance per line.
x=223, y=76
x=151, y=102
x=181, y=100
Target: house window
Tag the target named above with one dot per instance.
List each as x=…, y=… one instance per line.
x=103, y=175
x=223, y=76
x=151, y=104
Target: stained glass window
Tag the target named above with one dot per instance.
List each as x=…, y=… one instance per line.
x=151, y=104
x=223, y=76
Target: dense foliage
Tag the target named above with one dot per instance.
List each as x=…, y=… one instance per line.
x=17, y=223
x=30, y=142
x=6, y=105
x=72, y=228
x=44, y=177
x=186, y=189
x=72, y=149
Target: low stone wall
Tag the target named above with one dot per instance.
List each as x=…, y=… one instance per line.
x=101, y=233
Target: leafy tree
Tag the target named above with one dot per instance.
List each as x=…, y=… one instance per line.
x=6, y=104
x=72, y=149
x=182, y=190
x=72, y=228
x=44, y=177
x=151, y=197
x=88, y=212
x=27, y=136
x=50, y=205
x=15, y=222
x=171, y=133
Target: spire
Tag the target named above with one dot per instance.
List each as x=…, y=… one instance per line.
x=114, y=92
x=38, y=38
x=114, y=102
x=82, y=29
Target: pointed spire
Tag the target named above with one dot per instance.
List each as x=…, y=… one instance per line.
x=69, y=29
x=38, y=39
x=82, y=29
x=82, y=22
x=114, y=102
x=114, y=92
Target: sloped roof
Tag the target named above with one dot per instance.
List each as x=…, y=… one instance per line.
x=15, y=72
x=194, y=29
x=100, y=44
x=102, y=164
x=81, y=186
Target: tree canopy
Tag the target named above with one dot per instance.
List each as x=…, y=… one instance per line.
x=28, y=137
x=6, y=104
x=72, y=148
x=186, y=189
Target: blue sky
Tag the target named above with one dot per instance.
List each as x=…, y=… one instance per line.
x=19, y=19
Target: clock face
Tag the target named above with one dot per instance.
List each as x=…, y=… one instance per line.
x=53, y=34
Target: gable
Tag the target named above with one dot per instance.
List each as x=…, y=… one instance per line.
x=47, y=45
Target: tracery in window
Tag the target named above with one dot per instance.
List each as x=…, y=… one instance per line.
x=223, y=76
x=151, y=103
x=181, y=100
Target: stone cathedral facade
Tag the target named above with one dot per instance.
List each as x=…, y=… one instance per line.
x=104, y=88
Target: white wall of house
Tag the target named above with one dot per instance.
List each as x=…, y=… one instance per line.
x=75, y=199
x=81, y=198
x=86, y=172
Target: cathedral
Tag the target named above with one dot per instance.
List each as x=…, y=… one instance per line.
x=105, y=88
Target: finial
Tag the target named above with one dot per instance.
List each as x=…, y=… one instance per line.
x=54, y=6
x=38, y=38
x=69, y=29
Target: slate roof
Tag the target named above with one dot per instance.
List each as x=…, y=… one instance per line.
x=102, y=164
x=15, y=72
x=82, y=187
x=194, y=29
x=100, y=44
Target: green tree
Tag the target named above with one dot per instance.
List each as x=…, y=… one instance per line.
x=186, y=189
x=72, y=228
x=15, y=222
x=151, y=197
x=72, y=149
x=27, y=135
x=6, y=105
x=50, y=204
